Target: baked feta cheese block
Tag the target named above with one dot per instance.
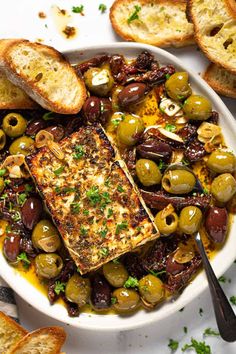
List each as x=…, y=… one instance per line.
x=92, y=198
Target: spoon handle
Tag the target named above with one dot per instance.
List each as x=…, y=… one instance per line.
x=225, y=317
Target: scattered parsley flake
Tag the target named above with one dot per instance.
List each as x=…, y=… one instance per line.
x=167, y=76
x=173, y=345
x=22, y=257
x=222, y=279
x=185, y=329
x=22, y=198
x=103, y=232
x=185, y=162
x=157, y=274
x=48, y=116
x=2, y=172
x=170, y=128
x=200, y=311
x=104, y=251
x=210, y=332
x=17, y=216
x=122, y=226
x=131, y=282
x=113, y=300
x=59, y=287
x=78, y=9
x=83, y=231
x=59, y=171
x=75, y=208
x=115, y=122
x=79, y=152
x=134, y=15
x=109, y=213
x=107, y=182
x=120, y=188
x=138, y=228
x=116, y=261
x=161, y=165
x=28, y=188
x=102, y=8
x=86, y=212
x=8, y=229
x=7, y=182
x=3, y=196
x=94, y=195
x=233, y=300
x=200, y=347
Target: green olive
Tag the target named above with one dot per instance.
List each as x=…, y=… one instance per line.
x=48, y=265
x=168, y=224
x=45, y=236
x=99, y=81
x=2, y=139
x=148, y=172
x=130, y=129
x=2, y=185
x=178, y=181
x=221, y=161
x=21, y=145
x=151, y=289
x=190, y=220
x=78, y=290
x=197, y=107
x=177, y=86
x=126, y=300
x=14, y=125
x=223, y=187
x=115, y=274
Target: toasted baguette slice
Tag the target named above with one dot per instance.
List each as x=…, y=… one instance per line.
x=10, y=333
x=44, y=74
x=215, y=31
x=161, y=23
x=221, y=80
x=48, y=340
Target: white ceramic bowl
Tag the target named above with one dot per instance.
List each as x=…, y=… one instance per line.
x=221, y=261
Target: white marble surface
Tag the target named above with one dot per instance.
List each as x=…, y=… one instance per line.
x=20, y=19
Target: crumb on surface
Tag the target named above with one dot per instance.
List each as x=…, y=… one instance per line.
x=69, y=31
x=42, y=14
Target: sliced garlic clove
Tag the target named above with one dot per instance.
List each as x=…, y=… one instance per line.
x=13, y=160
x=208, y=130
x=14, y=171
x=170, y=135
x=168, y=210
x=169, y=107
x=184, y=254
x=177, y=156
x=42, y=137
x=56, y=149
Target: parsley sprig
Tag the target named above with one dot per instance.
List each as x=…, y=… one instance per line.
x=200, y=347
x=22, y=257
x=59, y=287
x=135, y=14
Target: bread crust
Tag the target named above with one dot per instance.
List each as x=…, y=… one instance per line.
x=173, y=40
x=30, y=86
x=220, y=86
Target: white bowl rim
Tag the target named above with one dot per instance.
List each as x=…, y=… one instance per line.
x=35, y=298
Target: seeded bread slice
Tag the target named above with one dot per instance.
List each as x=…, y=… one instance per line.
x=161, y=23
x=44, y=74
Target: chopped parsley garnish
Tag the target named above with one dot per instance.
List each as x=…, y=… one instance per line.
x=210, y=332
x=173, y=345
x=86, y=212
x=7, y=182
x=102, y=8
x=83, y=231
x=109, y=213
x=157, y=274
x=104, y=251
x=93, y=195
x=120, y=188
x=2, y=172
x=167, y=76
x=59, y=287
x=122, y=226
x=22, y=257
x=138, y=228
x=79, y=152
x=75, y=208
x=8, y=229
x=185, y=329
x=3, y=196
x=185, y=162
x=233, y=300
x=105, y=200
x=103, y=232
x=205, y=191
x=59, y=171
x=200, y=311
x=22, y=198
x=64, y=190
x=113, y=300
x=134, y=15
x=48, y=116
x=28, y=188
x=116, y=122
x=170, y=127
x=107, y=182
x=17, y=216
x=78, y=9
x=222, y=279
x=161, y=165
x=200, y=347
x=131, y=282
x=116, y=261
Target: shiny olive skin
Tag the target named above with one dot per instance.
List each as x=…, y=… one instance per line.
x=57, y=131
x=126, y=300
x=2, y=139
x=94, y=80
x=223, y=187
x=221, y=162
x=129, y=130
x=48, y=265
x=216, y=224
x=151, y=289
x=35, y=126
x=190, y=220
x=31, y=212
x=2, y=185
x=148, y=172
x=167, y=225
x=177, y=86
x=173, y=267
x=11, y=247
x=91, y=109
x=178, y=181
x=21, y=146
x=197, y=107
x=132, y=94
x=45, y=236
x=14, y=125
x=101, y=293
x=78, y=290
x=154, y=150
x=115, y=274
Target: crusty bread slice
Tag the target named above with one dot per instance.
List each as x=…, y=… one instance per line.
x=232, y=6
x=221, y=80
x=44, y=74
x=161, y=23
x=10, y=333
x=215, y=31
x=48, y=340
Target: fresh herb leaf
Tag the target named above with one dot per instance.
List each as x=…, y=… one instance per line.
x=22, y=198
x=3, y=196
x=22, y=257
x=131, y=282
x=93, y=195
x=102, y=8
x=156, y=274
x=48, y=116
x=86, y=212
x=79, y=152
x=173, y=345
x=185, y=162
x=78, y=9
x=7, y=182
x=134, y=15
x=167, y=76
x=59, y=287
x=233, y=300
x=122, y=226
x=59, y=171
x=115, y=122
x=2, y=172
x=113, y=300
x=107, y=182
x=170, y=128
x=222, y=279
x=161, y=165
x=17, y=216
x=105, y=200
x=185, y=329
x=116, y=261
x=75, y=207
x=120, y=188
x=103, y=232
x=109, y=213
x=83, y=231
x=200, y=347
x=104, y=251
x=28, y=188
x=210, y=332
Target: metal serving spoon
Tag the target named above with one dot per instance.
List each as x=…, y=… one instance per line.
x=225, y=317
